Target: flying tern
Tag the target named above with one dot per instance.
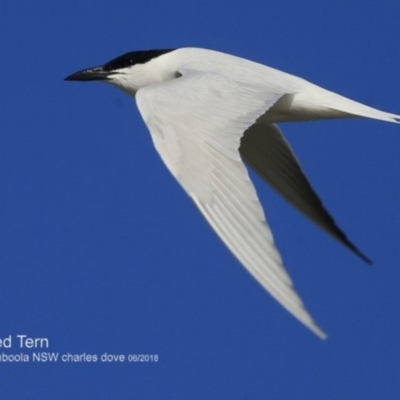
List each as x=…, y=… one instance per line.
x=209, y=114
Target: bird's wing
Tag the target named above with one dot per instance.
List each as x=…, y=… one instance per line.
x=265, y=149
x=196, y=123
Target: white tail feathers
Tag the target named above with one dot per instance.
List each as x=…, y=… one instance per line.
x=343, y=104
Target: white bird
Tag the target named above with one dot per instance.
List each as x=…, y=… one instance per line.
x=207, y=112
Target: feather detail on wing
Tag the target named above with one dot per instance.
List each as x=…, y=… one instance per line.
x=196, y=123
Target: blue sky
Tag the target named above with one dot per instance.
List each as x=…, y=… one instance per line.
x=102, y=252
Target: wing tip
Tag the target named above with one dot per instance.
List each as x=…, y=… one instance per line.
x=319, y=332
x=357, y=252
x=365, y=259
x=313, y=327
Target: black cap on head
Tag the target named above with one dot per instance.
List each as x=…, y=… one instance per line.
x=134, y=57
x=126, y=60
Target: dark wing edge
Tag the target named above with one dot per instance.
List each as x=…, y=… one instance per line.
x=264, y=148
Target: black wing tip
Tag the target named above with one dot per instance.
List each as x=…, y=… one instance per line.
x=343, y=239
x=366, y=259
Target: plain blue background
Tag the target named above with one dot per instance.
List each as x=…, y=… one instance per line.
x=101, y=250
